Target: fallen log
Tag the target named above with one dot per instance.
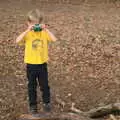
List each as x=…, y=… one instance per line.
x=73, y=116
x=100, y=111
x=53, y=116
x=104, y=110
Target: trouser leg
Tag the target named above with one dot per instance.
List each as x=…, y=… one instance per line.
x=32, y=85
x=43, y=83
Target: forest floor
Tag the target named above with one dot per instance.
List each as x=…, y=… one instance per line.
x=84, y=66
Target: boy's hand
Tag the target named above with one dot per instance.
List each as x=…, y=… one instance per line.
x=30, y=27
x=44, y=26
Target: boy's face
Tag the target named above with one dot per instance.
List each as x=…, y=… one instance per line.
x=32, y=23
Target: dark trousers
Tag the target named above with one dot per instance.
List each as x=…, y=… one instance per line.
x=38, y=73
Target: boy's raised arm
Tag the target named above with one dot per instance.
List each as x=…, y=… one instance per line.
x=21, y=36
x=52, y=36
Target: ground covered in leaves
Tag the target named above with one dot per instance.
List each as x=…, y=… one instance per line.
x=84, y=66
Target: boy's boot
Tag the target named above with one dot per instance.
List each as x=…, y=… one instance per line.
x=33, y=109
x=47, y=107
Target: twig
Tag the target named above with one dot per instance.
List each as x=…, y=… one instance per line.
x=75, y=109
x=61, y=102
x=112, y=117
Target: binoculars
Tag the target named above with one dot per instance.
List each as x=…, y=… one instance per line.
x=37, y=27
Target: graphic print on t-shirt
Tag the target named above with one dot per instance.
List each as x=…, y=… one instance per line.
x=37, y=45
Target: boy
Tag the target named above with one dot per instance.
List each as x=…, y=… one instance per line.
x=36, y=56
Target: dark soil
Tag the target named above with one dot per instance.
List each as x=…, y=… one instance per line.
x=84, y=66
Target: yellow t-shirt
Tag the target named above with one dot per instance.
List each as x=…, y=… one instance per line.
x=36, y=47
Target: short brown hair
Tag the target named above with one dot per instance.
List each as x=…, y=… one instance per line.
x=35, y=15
